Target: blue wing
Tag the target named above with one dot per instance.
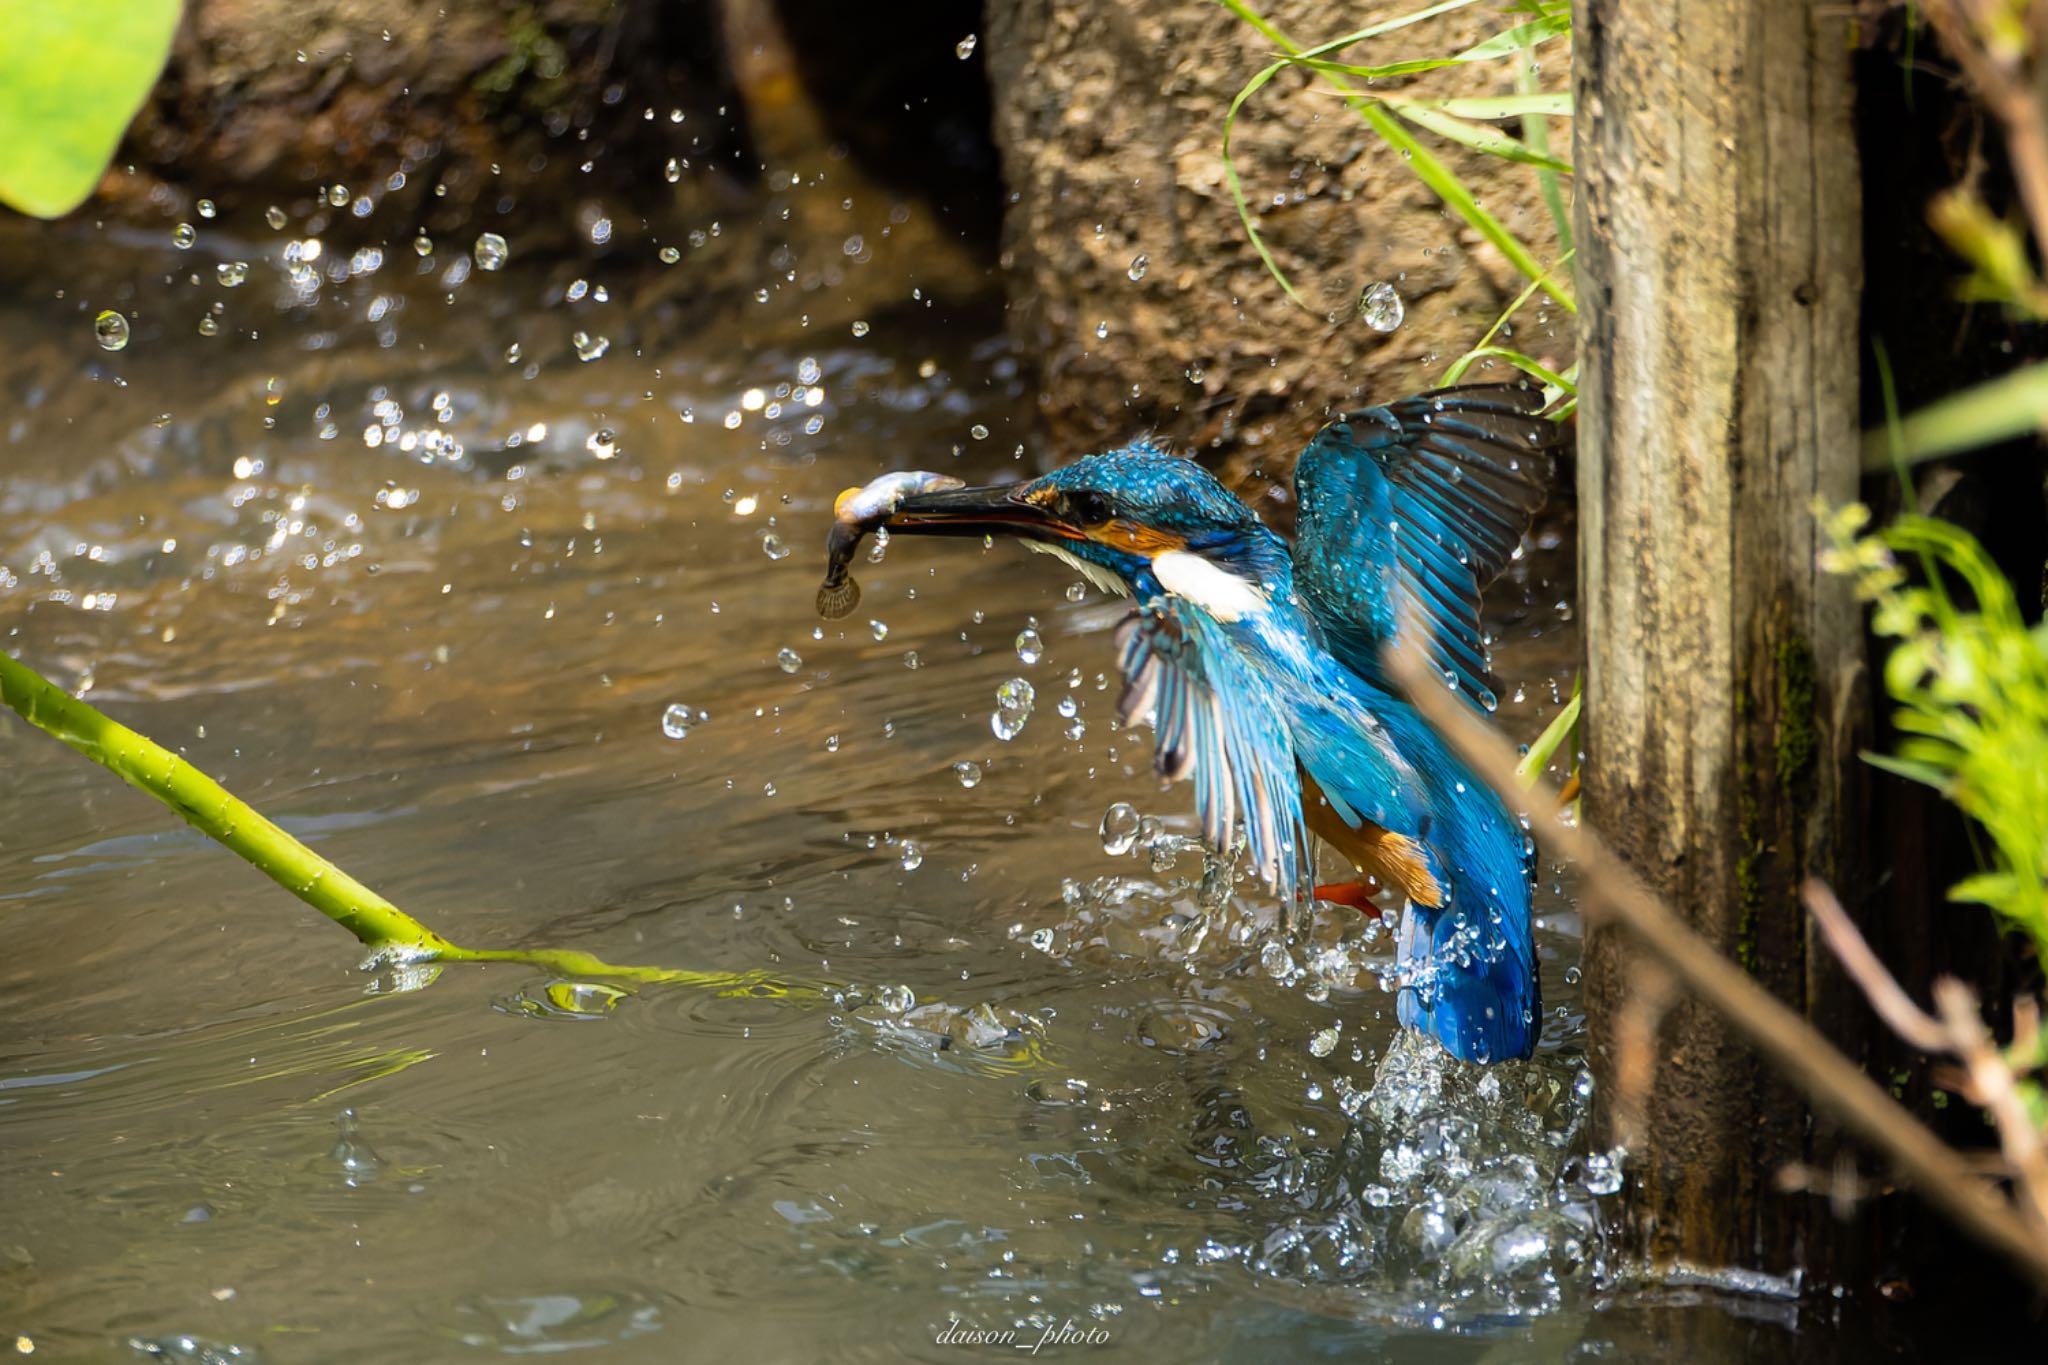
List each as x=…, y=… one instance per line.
x=1201, y=696
x=1416, y=506
x=1241, y=709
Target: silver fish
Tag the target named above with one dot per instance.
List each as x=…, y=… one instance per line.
x=856, y=512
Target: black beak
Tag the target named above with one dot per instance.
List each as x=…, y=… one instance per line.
x=977, y=512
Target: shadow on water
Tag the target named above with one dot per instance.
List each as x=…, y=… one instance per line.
x=525, y=638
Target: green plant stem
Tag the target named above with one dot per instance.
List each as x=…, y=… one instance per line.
x=217, y=813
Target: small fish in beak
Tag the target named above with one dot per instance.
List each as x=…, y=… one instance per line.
x=855, y=513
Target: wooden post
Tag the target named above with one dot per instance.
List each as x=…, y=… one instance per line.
x=1719, y=265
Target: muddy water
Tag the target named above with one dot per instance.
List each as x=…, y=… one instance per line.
x=527, y=642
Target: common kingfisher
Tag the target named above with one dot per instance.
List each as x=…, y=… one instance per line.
x=1261, y=671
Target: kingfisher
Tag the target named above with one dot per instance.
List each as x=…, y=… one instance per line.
x=1261, y=666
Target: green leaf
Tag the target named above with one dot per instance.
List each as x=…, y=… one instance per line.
x=1995, y=889
x=73, y=73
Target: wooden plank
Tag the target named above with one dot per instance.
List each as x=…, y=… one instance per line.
x=1718, y=219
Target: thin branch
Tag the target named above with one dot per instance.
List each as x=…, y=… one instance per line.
x=2001, y=83
x=1612, y=895
x=1879, y=986
x=1997, y=1091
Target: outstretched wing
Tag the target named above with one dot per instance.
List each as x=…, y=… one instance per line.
x=1416, y=506
x=1211, y=725
x=1243, y=710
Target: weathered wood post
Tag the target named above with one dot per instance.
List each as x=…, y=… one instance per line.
x=1719, y=265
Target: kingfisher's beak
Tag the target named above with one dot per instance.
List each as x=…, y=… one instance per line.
x=979, y=512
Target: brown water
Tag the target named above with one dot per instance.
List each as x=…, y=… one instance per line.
x=447, y=659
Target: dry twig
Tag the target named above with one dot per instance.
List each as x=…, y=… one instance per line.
x=1612, y=895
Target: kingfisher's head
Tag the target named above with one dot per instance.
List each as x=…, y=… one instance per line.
x=1130, y=520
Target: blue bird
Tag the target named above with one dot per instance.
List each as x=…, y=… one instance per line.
x=1261, y=669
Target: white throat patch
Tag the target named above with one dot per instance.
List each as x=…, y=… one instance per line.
x=1102, y=578
x=1209, y=586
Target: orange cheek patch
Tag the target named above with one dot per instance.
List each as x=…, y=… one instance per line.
x=1139, y=539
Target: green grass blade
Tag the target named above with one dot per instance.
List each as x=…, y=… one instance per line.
x=1440, y=179
x=1535, y=369
x=1464, y=362
x=1478, y=136
x=1536, y=132
x=1236, y=186
x=1996, y=410
x=1491, y=107
x=1521, y=38
x=1444, y=183
x=1546, y=746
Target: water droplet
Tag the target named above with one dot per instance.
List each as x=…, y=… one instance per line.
x=359, y=1162
x=880, y=629
x=588, y=347
x=205, y=207
x=860, y=329
x=111, y=329
x=275, y=217
x=1120, y=825
x=965, y=47
x=1102, y=330
x=208, y=327
x=1381, y=307
x=968, y=772
x=1076, y=591
x=337, y=195
x=978, y=432
x=913, y=856
x=183, y=236
x=788, y=660
x=1324, y=1042
x=677, y=720
x=231, y=273
x=772, y=545
x=603, y=443
x=1013, y=707
x=669, y=255
x=1030, y=647
x=673, y=171
x=491, y=252
x=1139, y=263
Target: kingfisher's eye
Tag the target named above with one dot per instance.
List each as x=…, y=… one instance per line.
x=1087, y=507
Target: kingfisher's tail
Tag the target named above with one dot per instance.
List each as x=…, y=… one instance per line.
x=1469, y=965
x=1467, y=983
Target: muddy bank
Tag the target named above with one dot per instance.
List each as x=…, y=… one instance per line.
x=1110, y=115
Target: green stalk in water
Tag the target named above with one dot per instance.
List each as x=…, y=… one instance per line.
x=217, y=813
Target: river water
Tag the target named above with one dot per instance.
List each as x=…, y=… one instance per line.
x=526, y=641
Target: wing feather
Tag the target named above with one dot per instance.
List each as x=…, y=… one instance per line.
x=1416, y=506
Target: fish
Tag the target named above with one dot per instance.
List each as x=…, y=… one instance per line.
x=855, y=513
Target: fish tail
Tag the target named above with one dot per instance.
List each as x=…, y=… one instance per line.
x=837, y=599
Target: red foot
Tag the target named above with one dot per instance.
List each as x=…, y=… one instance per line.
x=1358, y=895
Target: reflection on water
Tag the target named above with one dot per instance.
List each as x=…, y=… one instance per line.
x=524, y=636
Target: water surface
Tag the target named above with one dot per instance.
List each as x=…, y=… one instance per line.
x=526, y=642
